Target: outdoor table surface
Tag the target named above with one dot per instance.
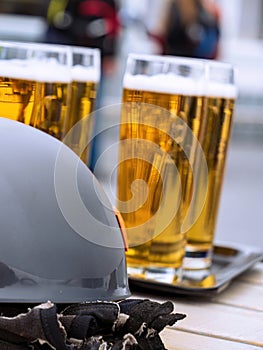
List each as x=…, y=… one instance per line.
x=231, y=320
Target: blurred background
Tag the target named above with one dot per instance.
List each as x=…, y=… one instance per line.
x=240, y=43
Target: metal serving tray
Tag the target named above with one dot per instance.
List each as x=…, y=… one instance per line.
x=229, y=261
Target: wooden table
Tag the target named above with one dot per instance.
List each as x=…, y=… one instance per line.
x=232, y=320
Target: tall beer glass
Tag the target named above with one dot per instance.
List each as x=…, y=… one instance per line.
x=162, y=110
x=220, y=94
x=85, y=76
x=34, y=84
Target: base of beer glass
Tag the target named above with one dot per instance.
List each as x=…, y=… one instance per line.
x=197, y=259
x=160, y=274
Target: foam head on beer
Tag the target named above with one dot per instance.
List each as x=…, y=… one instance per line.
x=48, y=70
x=172, y=75
x=81, y=73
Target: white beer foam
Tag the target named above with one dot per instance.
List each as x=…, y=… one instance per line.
x=165, y=83
x=48, y=71
x=214, y=89
x=83, y=74
x=172, y=84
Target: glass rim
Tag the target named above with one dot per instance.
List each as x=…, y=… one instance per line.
x=165, y=59
x=32, y=45
x=83, y=49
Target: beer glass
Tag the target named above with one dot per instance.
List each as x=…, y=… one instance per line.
x=161, y=117
x=85, y=77
x=34, y=84
x=220, y=95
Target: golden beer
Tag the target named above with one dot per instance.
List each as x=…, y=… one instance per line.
x=85, y=76
x=215, y=140
x=156, y=145
x=42, y=105
x=50, y=107
x=82, y=104
x=17, y=99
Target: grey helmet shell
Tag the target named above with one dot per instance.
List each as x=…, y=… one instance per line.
x=43, y=256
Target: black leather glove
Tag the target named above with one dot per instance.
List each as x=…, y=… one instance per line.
x=132, y=324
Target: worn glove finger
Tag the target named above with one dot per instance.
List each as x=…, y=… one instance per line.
x=149, y=310
x=147, y=313
x=166, y=320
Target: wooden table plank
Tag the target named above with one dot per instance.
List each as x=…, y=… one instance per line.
x=254, y=275
x=226, y=322
x=178, y=340
x=242, y=295
x=219, y=321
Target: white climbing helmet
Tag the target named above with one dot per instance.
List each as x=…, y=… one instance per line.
x=43, y=255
